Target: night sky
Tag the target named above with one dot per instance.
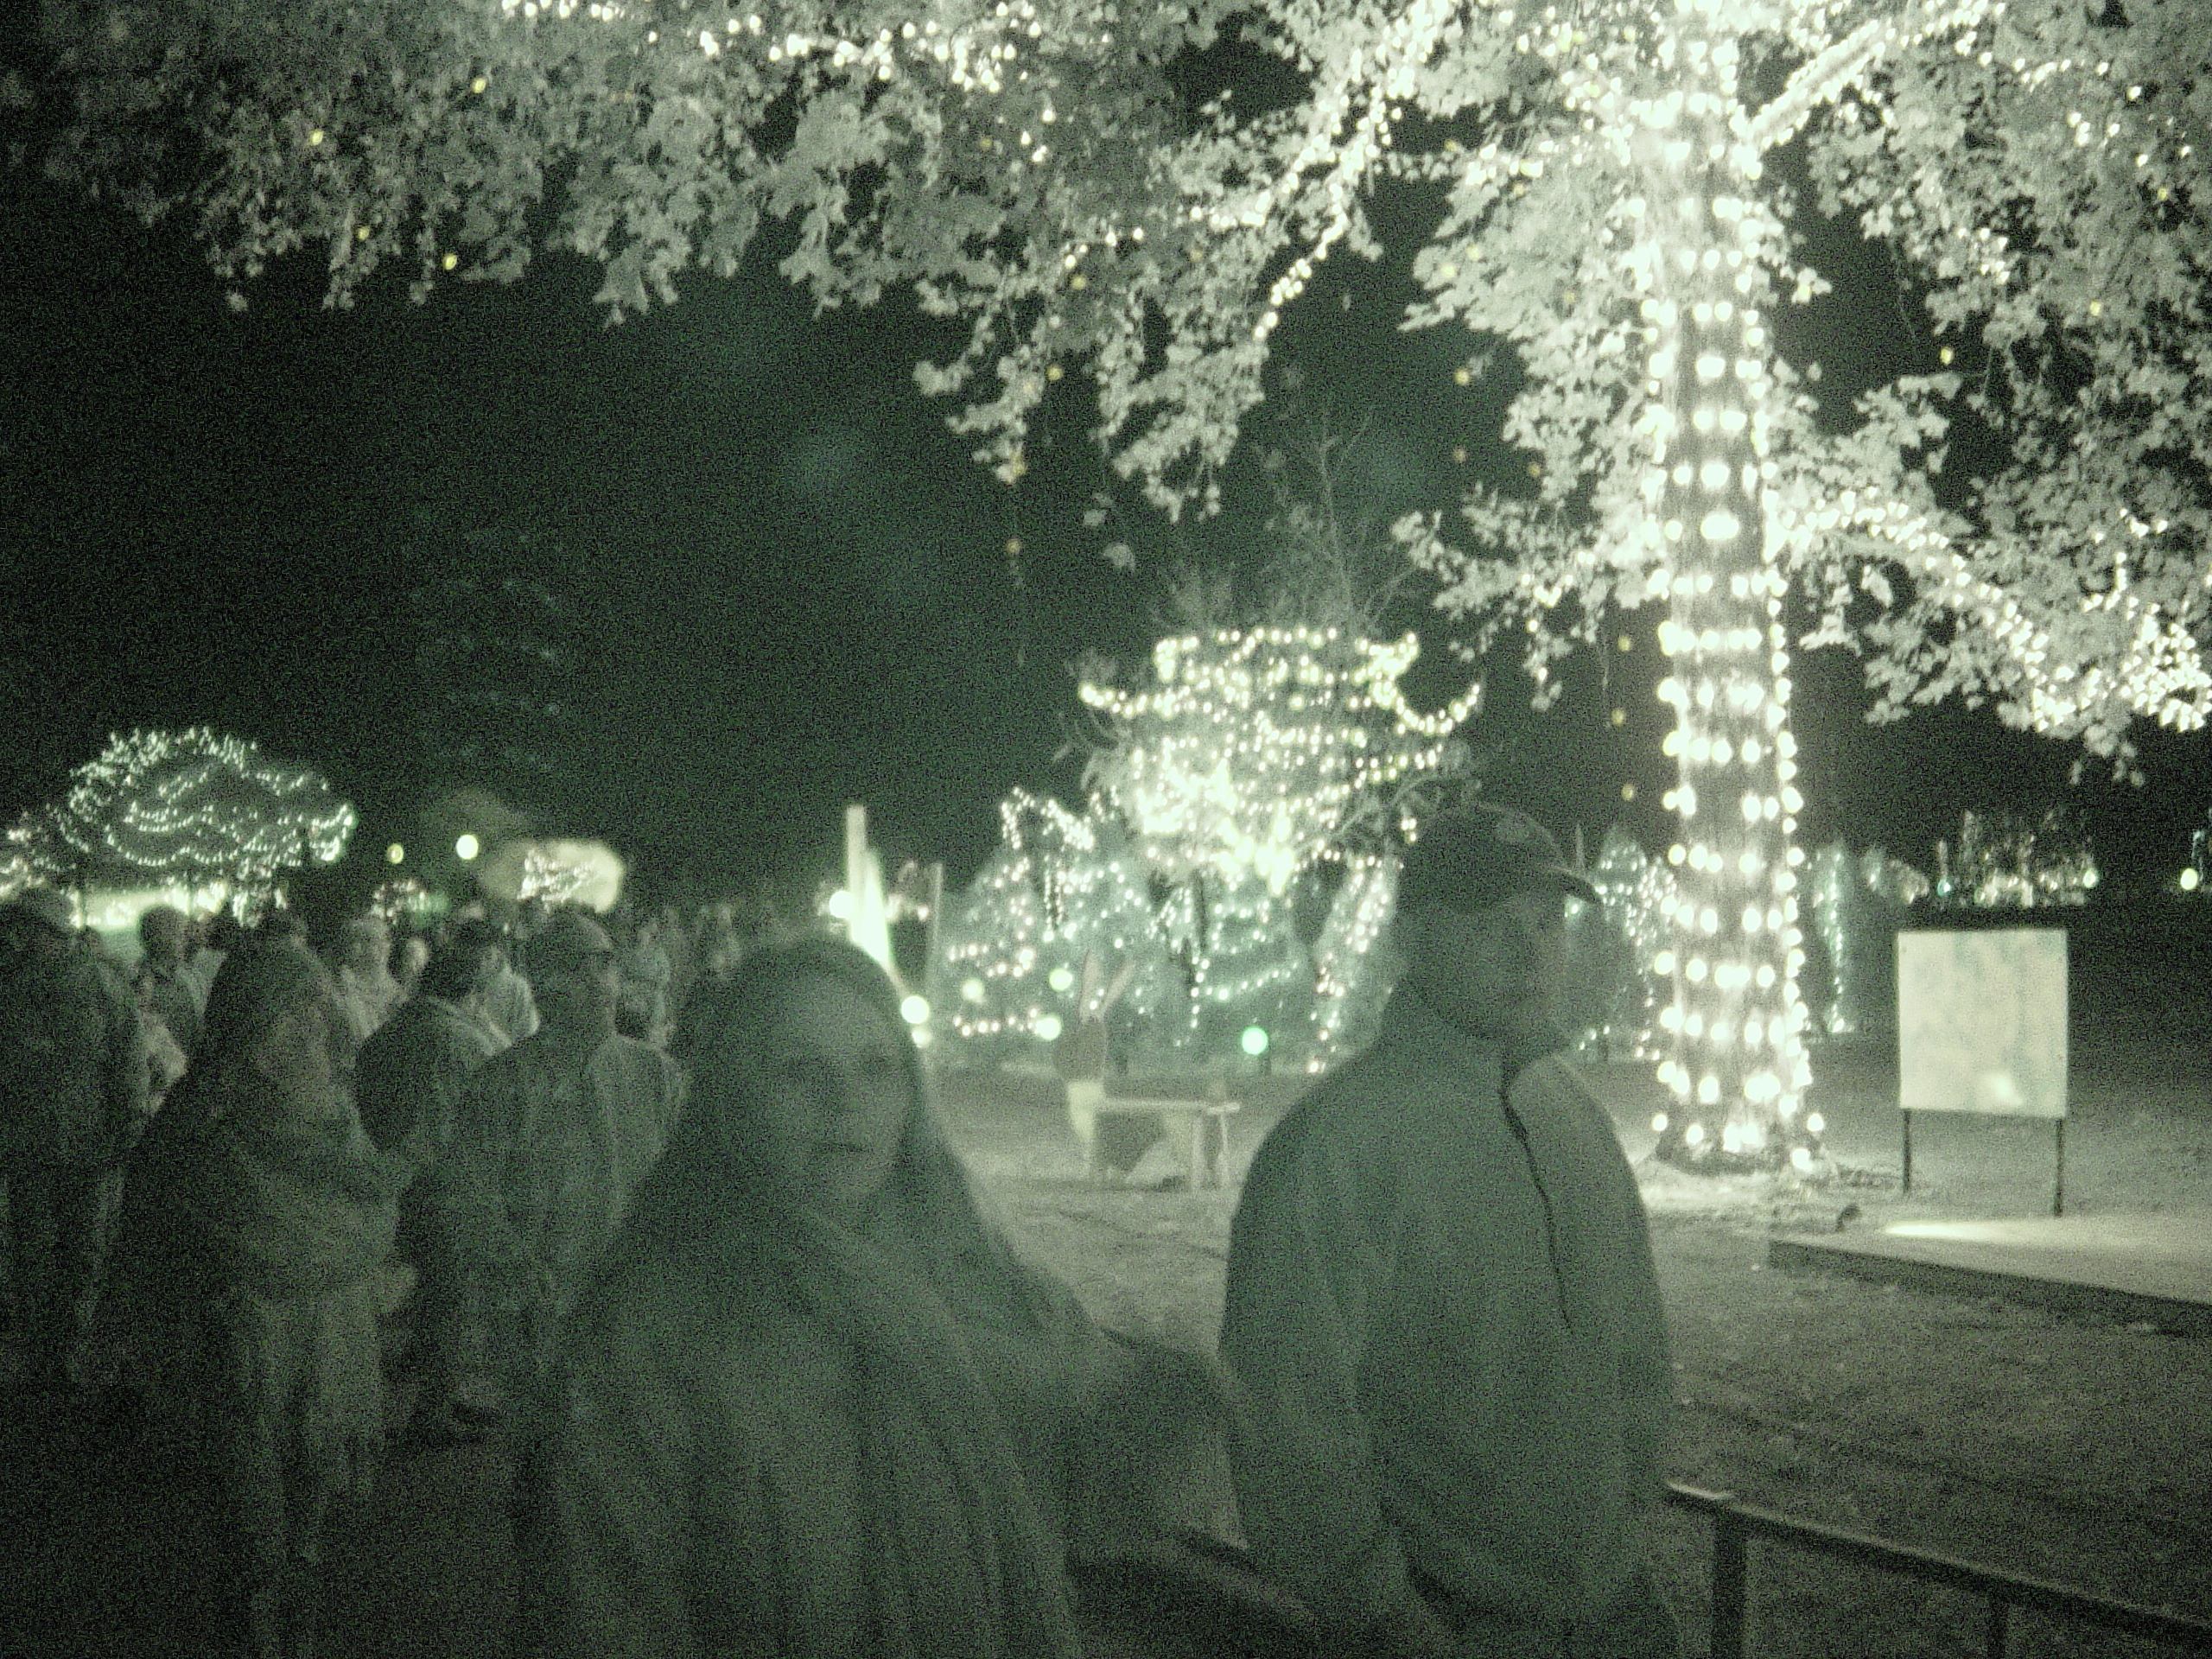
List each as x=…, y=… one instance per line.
x=792, y=586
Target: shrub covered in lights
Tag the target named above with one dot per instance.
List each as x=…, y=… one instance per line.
x=1061, y=886
x=1252, y=757
x=2005, y=863
x=1256, y=753
x=192, y=806
x=1243, y=963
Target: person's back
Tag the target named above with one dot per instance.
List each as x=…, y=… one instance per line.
x=410, y=1080
x=74, y=1091
x=410, y=1075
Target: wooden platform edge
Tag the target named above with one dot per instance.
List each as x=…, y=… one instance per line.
x=2099, y=1304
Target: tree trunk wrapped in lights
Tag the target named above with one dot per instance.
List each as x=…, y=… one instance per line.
x=1738, y=1070
x=1035, y=168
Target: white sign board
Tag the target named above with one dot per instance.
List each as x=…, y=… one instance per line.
x=1981, y=1022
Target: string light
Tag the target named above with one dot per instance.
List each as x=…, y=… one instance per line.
x=194, y=806
x=1254, y=749
x=1061, y=887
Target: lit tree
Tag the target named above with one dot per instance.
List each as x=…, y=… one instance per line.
x=191, y=806
x=1254, y=755
x=1604, y=185
x=1639, y=897
x=1062, y=886
x=1349, y=990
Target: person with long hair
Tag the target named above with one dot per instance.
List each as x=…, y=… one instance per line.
x=815, y=1405
x=255, y=1213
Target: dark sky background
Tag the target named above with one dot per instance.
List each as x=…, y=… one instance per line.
x=794, y=585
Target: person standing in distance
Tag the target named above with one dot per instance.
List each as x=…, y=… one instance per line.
x=550, y=1140
x=1442, y=1308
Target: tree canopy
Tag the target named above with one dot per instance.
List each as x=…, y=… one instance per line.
x=1616, y=190
x=1035, y=168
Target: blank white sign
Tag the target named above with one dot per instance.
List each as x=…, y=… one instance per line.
x=1981, y=1022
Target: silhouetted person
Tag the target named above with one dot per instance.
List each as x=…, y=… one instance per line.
x=74, y=1095
x=165, y=981
x=409, y=1079
x=366, y=985
x=552, y=1138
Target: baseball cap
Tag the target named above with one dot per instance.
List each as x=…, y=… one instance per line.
x=1472, y=857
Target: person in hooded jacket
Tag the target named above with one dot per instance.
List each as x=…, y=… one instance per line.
x=256, y=1212
x=815, y=1405
x=1441, y=1307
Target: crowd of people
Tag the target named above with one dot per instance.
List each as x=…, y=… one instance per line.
x=678, y=1226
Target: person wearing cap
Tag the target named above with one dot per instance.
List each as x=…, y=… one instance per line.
x=1442, y=1309
x=550, y=1145
x=73, y=1095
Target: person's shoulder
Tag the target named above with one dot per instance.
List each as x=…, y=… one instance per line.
x=511, y=1063
x=106, y=980
x=1347, y=1101
x=1554, y=1076
x=397, y=1032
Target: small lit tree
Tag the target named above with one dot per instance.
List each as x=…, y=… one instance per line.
x=1253, y=755
x=1060, y=887
x=192, y=806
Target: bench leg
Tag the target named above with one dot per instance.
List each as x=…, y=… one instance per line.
x=1084, y=1119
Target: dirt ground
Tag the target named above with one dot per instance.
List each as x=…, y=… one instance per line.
x=2074, y=1452
x=1992, y=1431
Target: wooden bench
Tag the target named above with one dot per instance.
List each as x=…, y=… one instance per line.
x=1196, y=1130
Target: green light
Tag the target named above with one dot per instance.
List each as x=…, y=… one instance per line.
x=1254, y=1041
x=395, y=854
x=467, y=849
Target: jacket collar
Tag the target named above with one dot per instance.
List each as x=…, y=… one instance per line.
x=1408, y=1018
